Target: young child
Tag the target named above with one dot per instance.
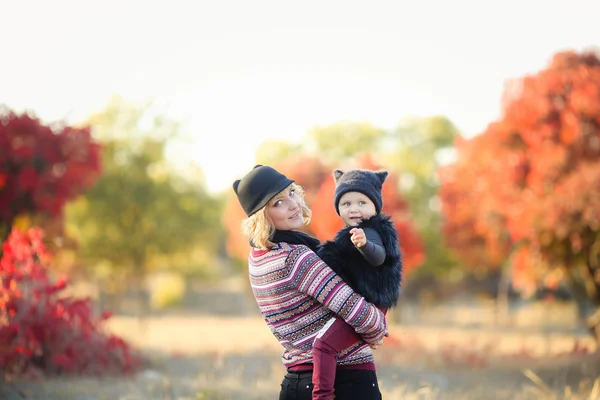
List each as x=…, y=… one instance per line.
x=367, y=256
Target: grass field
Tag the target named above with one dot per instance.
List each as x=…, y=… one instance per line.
x=199, y=357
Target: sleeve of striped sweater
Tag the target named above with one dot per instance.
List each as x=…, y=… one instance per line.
x=313, y=277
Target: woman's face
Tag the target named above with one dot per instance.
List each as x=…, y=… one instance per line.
x=285, y=210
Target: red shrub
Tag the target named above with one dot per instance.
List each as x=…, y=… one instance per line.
x=42, y=331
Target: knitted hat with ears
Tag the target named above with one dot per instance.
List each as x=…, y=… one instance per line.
x=366, y=182
x=258, y=187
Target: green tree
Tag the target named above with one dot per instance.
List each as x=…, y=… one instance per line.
x=270, y=152
x=140, y=212
x=343, y=140
x=417, y=148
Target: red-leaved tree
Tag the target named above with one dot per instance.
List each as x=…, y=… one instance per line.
x=529, y=185
x=43, y=331
x=42, y=166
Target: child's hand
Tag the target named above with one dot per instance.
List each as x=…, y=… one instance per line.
x=358, y=237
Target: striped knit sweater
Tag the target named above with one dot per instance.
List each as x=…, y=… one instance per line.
x=297, y=294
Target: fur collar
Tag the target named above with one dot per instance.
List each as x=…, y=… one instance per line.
x=378, y=285
x=295, y=237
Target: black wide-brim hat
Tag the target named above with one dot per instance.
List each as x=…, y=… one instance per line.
x=258, y=187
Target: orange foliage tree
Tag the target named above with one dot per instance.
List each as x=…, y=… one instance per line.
x=529, y=185
x=476, y=233
x=316, y=179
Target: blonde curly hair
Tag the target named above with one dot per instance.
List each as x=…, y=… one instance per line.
x=259, y=228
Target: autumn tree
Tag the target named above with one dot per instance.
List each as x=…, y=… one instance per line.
x=529, y=185
x=478, y=237
x=141, y=213
x=42, y=166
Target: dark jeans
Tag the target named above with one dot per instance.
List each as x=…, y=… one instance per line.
x=350, y=384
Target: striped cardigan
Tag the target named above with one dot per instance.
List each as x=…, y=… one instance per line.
x=297, y=294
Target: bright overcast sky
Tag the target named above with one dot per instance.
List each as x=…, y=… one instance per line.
x=238, y=72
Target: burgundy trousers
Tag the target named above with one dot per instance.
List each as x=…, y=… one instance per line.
x=335, y=336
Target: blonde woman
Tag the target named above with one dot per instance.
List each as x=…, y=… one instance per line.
x=298, y=294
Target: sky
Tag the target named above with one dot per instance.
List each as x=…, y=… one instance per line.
x=239, y=72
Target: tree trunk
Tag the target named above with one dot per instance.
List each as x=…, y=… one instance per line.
x=593, y=270
x=585, y=293
x=593, y=325
x=502, y=297
x=139, y=280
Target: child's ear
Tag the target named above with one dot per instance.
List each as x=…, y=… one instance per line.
x=337, y=174
x=381, y=175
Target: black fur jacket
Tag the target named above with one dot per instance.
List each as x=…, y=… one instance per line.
x=378, y=285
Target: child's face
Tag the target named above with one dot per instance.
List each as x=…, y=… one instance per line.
x=354, y=207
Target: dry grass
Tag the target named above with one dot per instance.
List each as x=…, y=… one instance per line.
x=425, y=346
x=193, y=357
x=193, y=334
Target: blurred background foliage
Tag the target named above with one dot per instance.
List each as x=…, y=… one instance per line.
x=513, y=211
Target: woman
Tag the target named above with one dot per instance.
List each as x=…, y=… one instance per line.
x=298, y=294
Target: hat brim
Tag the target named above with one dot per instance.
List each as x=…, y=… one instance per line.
x=270, y=194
